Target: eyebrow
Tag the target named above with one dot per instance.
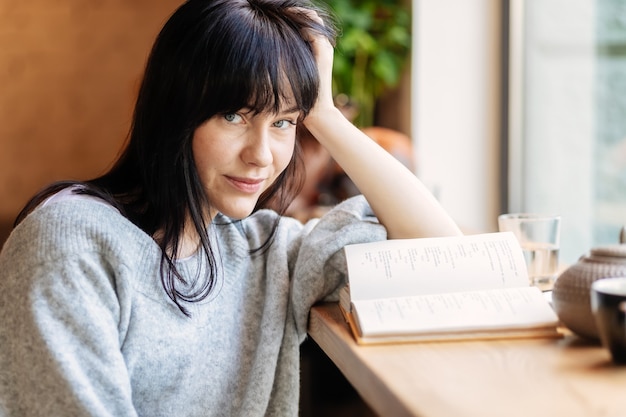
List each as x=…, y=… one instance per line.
x=290, y=110
x=294, y=109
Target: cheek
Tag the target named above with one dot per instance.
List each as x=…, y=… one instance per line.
x=199, y=147
x=283, y=155
x=210, y=152
x=201, y=157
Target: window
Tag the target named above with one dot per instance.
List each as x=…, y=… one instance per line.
x=567, y=117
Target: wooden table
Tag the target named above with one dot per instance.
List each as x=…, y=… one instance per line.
x=565, y=377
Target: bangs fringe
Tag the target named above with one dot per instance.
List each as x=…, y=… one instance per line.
x=276, y=68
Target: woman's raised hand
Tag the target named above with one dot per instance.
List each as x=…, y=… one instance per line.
x=398, y=198
x=323, y=52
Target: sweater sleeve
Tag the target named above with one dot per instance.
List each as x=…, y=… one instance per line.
x=320, y=268
x=60, y=325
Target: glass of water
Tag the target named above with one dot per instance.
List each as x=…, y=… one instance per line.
x=539, y=237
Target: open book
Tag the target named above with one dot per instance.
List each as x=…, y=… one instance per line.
x=446, y=288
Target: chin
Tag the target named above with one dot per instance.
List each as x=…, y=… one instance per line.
x=237, y=213
x=236, y=207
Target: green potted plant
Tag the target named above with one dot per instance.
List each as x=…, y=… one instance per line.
x=371, y=51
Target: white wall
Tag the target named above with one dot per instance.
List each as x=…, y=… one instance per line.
x=455, y=105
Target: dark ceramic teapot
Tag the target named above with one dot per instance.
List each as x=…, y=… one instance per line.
x=571, y=293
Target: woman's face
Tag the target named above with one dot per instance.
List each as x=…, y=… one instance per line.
x=239, y=155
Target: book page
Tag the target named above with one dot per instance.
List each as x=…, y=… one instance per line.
x=404, y=267
x=510, y=308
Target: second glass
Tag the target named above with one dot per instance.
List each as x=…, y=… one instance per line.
x=539, y=237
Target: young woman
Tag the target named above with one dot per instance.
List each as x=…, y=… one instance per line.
x=171, y=285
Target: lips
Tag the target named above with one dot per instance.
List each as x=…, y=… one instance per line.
x=246, y=185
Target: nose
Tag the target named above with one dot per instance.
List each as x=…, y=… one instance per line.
x=258, y=151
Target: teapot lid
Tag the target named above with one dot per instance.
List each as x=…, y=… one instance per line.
x=614, y=251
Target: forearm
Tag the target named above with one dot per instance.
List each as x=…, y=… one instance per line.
x=400, y=200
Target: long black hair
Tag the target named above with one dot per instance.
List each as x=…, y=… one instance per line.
x=211, y=57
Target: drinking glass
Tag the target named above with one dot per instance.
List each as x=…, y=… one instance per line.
x=539, y=237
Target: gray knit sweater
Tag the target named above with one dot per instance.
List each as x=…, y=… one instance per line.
x=86, y=328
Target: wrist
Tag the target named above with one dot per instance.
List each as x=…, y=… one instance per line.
x=323, y=115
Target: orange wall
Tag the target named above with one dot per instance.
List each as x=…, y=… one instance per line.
x=69, y=70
